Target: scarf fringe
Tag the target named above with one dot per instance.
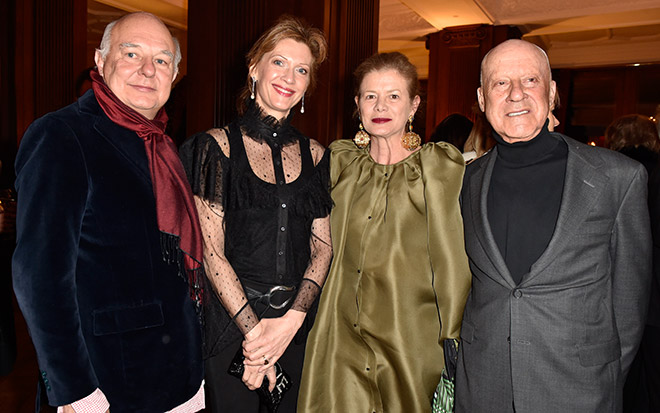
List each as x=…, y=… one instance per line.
x=194, y=277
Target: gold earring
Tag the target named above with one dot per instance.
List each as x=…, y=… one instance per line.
x=361, y=138
x=410, y=140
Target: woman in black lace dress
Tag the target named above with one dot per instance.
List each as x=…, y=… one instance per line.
x=261, y=189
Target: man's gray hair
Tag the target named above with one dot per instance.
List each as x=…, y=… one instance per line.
x=545, y=55
x=106, y=41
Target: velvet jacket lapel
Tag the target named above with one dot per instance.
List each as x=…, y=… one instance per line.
x=125, y=142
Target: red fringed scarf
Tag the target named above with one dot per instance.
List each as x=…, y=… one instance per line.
x=181, y=239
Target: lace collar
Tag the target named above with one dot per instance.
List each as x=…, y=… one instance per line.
x=265, y=128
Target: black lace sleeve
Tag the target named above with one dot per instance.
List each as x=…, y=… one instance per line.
x=317, y=202
x=319, y=242
x=207, y=167
x=204, y=163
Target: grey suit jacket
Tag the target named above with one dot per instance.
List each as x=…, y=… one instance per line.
x=563, y=339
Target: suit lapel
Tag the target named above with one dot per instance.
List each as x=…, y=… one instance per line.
x=479, y=185
x=583, y=186
x=125, y=142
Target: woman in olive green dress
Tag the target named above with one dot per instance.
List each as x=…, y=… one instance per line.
x=399, y=278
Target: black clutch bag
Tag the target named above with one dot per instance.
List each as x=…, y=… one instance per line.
x=269, y=399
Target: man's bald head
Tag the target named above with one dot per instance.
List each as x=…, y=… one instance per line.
x=140, y=63
x=516, y=90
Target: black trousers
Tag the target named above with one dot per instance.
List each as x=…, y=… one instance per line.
x=226, y=393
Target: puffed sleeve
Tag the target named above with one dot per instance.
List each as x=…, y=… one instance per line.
x=343, y=152
x=443, y=169
x=204, y=163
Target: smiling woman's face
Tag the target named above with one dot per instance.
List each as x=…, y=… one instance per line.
x=384, y=104
x=282, y=77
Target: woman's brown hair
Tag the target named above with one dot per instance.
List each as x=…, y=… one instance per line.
x=632, y=131
x=386, y=61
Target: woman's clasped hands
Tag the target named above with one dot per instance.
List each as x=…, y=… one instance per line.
x=264, y=345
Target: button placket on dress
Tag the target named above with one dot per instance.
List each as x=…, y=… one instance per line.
x=283, y=211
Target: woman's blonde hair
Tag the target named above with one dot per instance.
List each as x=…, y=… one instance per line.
x=286, y=27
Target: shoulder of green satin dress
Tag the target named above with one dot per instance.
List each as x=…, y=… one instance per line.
x=443, y=167
x=447, y=153
x=343, y=152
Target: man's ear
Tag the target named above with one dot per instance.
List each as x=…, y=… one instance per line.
x=98, y=59
x=551, y=94
x=481, y=100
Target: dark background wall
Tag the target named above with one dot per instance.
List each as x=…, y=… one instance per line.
x=45, y=46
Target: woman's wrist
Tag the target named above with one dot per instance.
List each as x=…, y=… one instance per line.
x=253, y=333
x=296, y=317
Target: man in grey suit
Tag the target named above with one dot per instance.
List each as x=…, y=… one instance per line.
x=558, y=238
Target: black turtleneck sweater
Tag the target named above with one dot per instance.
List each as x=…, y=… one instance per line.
x=524, y=198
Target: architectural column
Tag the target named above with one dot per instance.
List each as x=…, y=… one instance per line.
x=49, y=54
x=7, y=93
x=455, y=55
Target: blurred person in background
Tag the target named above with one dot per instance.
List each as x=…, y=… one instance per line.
x=636, y=136
x=480, y=139
x=453, y=129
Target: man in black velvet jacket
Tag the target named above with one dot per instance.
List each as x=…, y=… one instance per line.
x=112, y=321
x=558, y=239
